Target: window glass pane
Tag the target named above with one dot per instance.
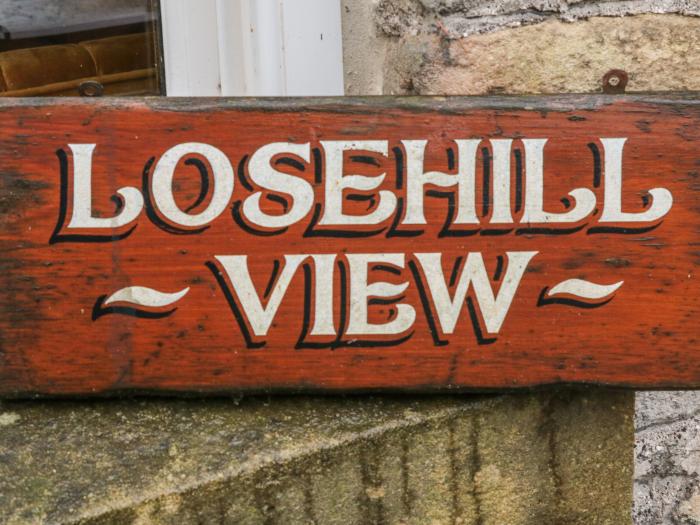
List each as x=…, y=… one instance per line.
x=74, y=47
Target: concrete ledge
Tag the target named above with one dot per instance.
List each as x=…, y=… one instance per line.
x=551, y=457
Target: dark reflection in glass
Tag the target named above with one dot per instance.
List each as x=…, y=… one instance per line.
x=80, y=47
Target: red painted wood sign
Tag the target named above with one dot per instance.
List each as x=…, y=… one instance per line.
x=348, y=244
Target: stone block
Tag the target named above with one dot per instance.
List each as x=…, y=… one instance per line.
x=490, y=460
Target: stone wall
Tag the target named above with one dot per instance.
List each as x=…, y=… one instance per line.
x=667, y=452
x=466, y=47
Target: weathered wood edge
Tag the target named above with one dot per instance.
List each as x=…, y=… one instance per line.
x=342, y=104
x=312, y=390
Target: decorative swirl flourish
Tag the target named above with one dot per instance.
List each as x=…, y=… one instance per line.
x=584, y=289
x=138, y=301
x=142, y=296
x=580, y=293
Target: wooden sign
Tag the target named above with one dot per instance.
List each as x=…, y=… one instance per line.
x=348, y=244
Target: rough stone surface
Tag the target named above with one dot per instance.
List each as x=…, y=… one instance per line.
x=535, y=459
x=364, y=48
x=659, y=52
x=460, y=18
x=667, y=458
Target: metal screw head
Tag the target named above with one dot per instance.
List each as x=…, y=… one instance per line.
x=615, y=81
x=91, y=88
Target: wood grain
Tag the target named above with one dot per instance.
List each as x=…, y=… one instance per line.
x=55, y=339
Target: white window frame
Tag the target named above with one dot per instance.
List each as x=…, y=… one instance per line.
x=252, y=47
